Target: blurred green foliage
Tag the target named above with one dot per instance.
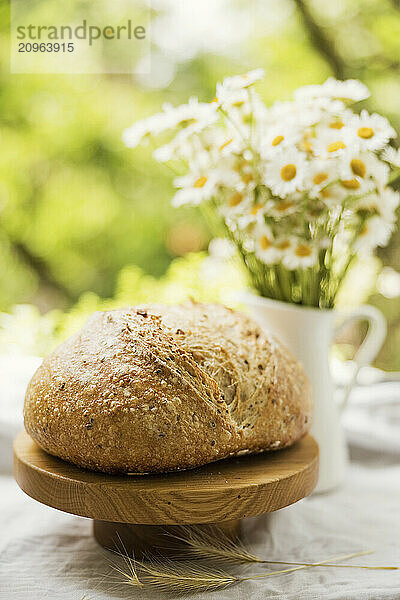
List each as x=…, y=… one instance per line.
x=77, y=207
x=195, y=276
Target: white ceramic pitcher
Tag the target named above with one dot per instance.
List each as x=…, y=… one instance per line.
x=308, y=332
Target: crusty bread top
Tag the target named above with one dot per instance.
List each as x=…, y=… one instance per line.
x=157, y=388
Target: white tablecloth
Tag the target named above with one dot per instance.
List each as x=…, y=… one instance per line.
x=46, y=554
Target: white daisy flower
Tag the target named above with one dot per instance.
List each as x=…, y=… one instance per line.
x=301, y=255
x=233, y=95
x=244, y=208
x=383, y=204
x=165, y=153
x=143, y=130
x=284, y=245
x=285, y=172
x=303, y=113
x=330, y=142
x=229, y=98
x=198, y=114
x=349, y=90
x=280, y=112
x=244, y=176
x=236, y=203
x=392, y=156
x=376, y=232
x=353, y=176
x=195, y=138
x=260, y=111
x=281, y=207
x=265, y=249
x=229, y=145
x=364, y=168
x=233, y=179
x=371, y=132
x=238, y=108
x=239, y=82
x=273, y=139
x=182, y=146
x=333, y=195
x=306, y=141
x=253, y=215
x=315, y=110
x=194, y=113
x=193, y=190
x=357, y=186
x=223, y=142
x=201, y=183
x=337, y=119
x=390, y=200
x=320, y=173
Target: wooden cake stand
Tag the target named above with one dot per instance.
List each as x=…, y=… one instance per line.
x=135, y=511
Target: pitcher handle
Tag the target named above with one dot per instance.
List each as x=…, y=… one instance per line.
x=370, y=345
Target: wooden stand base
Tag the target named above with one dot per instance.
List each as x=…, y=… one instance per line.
x=135, y=511
x=141, y=540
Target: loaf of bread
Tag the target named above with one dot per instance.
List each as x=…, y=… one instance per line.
x=160, y=388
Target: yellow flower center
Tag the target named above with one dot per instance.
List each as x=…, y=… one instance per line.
x=303, y=250
x=214, y=99
x=225, y=144
x=247, y=177
x=326, y=193
x=334, y=146
x=284, y=205
x=350, y=184
x=265, y=242
x=320, y=178
x=358, y=167
x=235, y=199
x=306, y=146
x=288, y=172
x=366, y=133
x=200, y=182
x=284, y=245
x=364, y=230
x=336, y=125
x=256, y=208
x=276, y=141
x=186, y=122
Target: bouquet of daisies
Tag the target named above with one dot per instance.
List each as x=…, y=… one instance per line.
x=301, y=187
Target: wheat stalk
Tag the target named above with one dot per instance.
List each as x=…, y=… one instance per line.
x=186, y=577
x=324, y=564
x=211, y=542
x=182, y=577
x=129, y=576
x=321, y=563
x=202, y=544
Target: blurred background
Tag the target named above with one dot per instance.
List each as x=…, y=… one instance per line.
x=86, y=223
